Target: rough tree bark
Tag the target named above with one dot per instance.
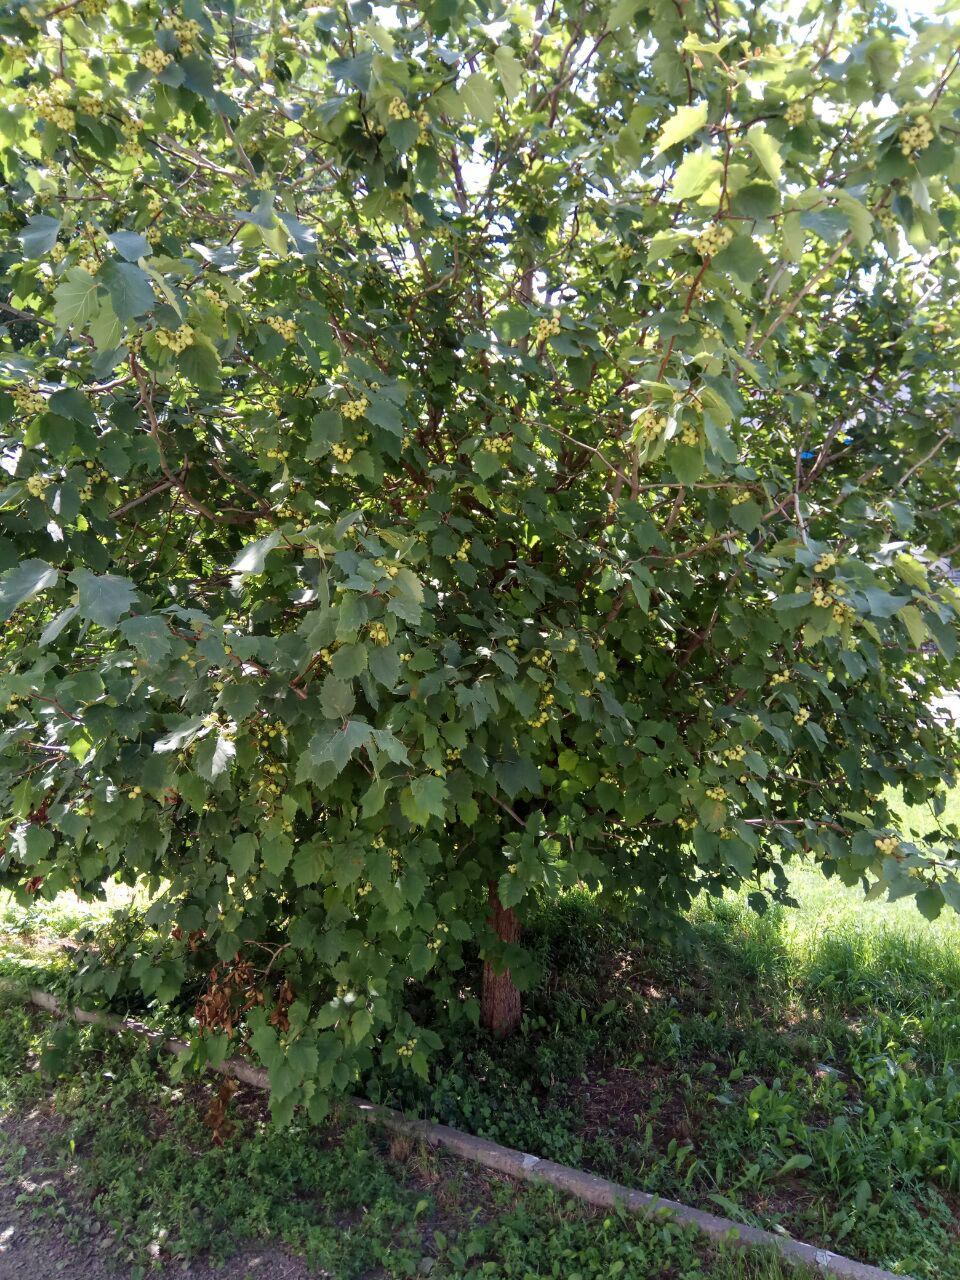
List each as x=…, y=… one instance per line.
x=499, y=997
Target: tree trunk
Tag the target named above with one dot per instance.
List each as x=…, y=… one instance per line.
x=499, y=998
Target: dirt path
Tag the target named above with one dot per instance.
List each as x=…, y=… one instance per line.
x=46, y=1250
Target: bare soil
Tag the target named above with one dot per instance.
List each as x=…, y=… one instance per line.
x=48, y=1233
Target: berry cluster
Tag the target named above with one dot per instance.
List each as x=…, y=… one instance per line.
x=27, y=400
x=438, y=939
x=354, y=409
x=187, y=31
x=887, y=844
x=690, y=436
x=49, y=105
x=342, y=452
x=497, y=445
x=268, y=784
x=277, y=453
x=716, y=793
x=545, y=329
x=406, y=1050
x=287, y=329
x=710, y=242
x=650, y=426
x=268, y=731
x=399, y=110
x=155, y=60
x=795, y=114
x=916, y=137
x=826, y=561
x=176, y=340
x=91, y=104
x=37, y=485
x=464, y=551
x=802, y=716
x=379, y=633
x=735, y=753
x=886, y=217
x=546, y=701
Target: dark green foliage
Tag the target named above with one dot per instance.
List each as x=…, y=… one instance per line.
x=479, y=447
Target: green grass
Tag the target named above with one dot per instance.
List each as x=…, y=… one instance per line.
x=798, y=1070
x=114, y=1138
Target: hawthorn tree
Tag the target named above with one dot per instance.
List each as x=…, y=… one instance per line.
x=458, y=451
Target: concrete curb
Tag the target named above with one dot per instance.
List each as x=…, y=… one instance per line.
x=515, y=1164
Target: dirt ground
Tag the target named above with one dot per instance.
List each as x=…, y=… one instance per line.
x=44, y=1237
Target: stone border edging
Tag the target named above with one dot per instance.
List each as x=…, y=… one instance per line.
x=515, y=1164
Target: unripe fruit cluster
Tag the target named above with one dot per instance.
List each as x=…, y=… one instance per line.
x=497, y=445
x=176, y=340
x=36, y=485
x=802, y=716
x=795, y=114
x=887, y=844
x=437, y=942
x=286, y=328
x=49, y=104
x=545, y=329
x=716, y=793
x=187, y=31
x=826, y=561
x=916, y=137
x=91, y=104
x=546, y=701
x=155, y=60
x=342, y=452
x=399, y=110
x=379, y=633
x=354, y=409
x=650, y=426
x=27, y=400
x=710, y=242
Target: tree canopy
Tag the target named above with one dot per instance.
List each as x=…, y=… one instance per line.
x=458, y=451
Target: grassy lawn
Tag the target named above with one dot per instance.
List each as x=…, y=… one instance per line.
x=798, y=1071
x=114, y=1150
